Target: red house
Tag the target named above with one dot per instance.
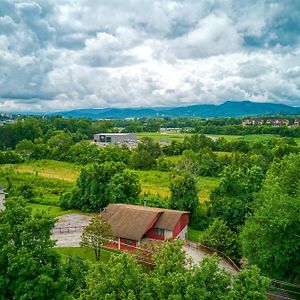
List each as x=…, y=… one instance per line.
x=133, y=224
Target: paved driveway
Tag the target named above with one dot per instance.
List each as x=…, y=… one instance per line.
x=197, y=256
x=68, y=229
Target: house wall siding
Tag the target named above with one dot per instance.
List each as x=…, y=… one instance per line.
x=151, y=235
x=130, y=247
x=181, y=224
x=120, y=244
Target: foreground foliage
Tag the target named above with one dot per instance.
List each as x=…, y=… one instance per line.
x=270, y=237
x=29, y=269
x=123, y=278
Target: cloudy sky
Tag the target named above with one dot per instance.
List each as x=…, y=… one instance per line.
x=67, y=54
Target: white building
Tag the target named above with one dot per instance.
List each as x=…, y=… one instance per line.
x=115, y=138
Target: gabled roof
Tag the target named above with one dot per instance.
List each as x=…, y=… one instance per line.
x=133, y=221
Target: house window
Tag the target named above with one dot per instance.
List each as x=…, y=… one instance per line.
x=159, y=231
x=108, y=139
x=102, y=138
x=128, y=242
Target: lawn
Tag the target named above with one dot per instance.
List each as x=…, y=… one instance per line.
x=193, y=234
x=53, y=210
x=85, y=253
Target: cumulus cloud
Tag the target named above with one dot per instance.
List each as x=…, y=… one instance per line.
x=59, y=55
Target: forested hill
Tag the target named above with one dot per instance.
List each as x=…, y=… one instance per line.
x=227, y=109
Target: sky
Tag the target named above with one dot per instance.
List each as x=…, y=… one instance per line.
x=65, y=54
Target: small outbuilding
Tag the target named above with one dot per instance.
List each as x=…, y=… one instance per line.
x=133, y=225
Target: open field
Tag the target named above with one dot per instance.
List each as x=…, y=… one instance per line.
x=179, y=136
x=54, y=210
x=157, y=182
x=163, y=136
x=85, y=253
x=153, y=182
x=48, y=168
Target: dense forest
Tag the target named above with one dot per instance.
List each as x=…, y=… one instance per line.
x=252, y=213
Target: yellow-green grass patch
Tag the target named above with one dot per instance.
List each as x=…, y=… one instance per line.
x=83, y=252
x=48, y=168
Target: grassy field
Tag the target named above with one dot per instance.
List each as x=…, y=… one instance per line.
x=54, y=210
x=48, y=168
x=85, y=253
x=205, y=186
x=157, y=182
x=153, y=182
x=163, y=136
x=248, y=138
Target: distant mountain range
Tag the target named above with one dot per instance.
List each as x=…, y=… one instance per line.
x=227, y=109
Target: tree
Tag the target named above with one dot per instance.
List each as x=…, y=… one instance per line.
x=96, y=235
x=120, y=278
x=232, y=199
x=75, y=271
x=183, y=193
x=101, y=184
x=142, y=160
x=149, y=145
x=219, y=236
x=249, y=285
x=169, y=278
x=124, y=188
x=270, y=237
x=29, y=268
x=25, y=148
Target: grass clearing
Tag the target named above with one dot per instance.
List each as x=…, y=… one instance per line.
x=205, y=185
x=83, y=252
x=48, y=168
x=157, y=182
x=259, y=137
x=56, y=211
x=193, y=234
x=164, y=136
x=154, y=182
x=173, y=159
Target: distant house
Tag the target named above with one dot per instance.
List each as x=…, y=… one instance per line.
x=2, y=198
x=103, y=139
x=133, y=225
x=297, y=122
x=278, y=122
x=247, y=122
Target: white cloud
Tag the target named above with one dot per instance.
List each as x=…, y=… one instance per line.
x=57, y=55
